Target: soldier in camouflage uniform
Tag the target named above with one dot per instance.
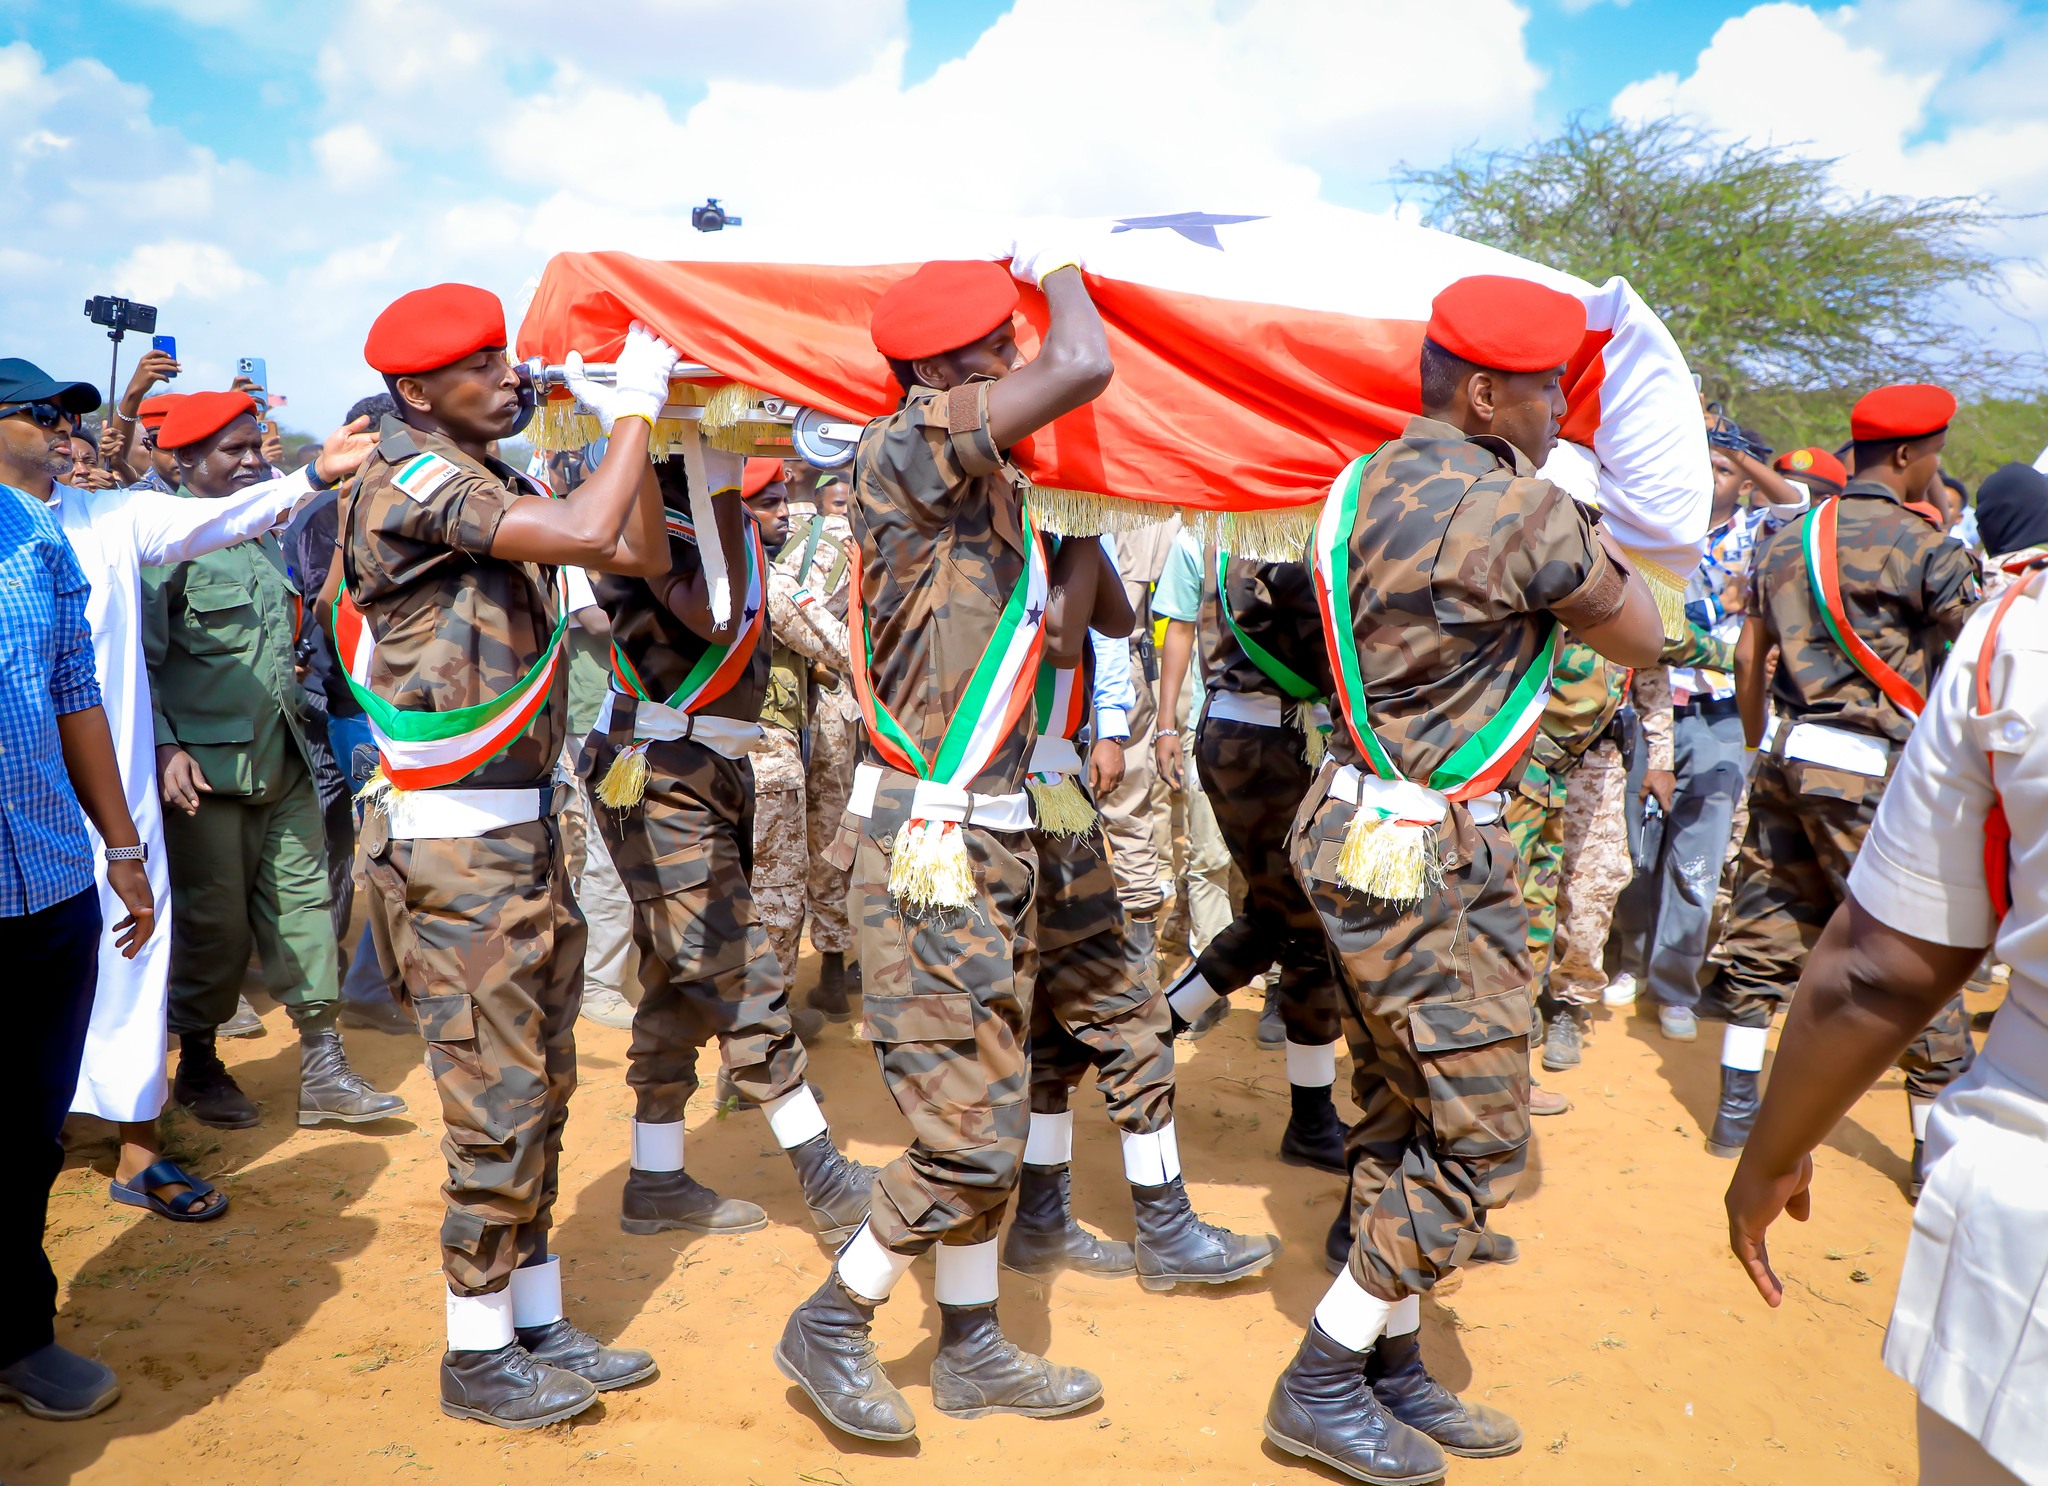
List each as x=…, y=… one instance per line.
x=449, y=559
x=947, y=957
x=683, y=708
x=1846, y=690
x=1567, y=822
x=1263, y=675
x=1456, y=568
x=1096, y=1006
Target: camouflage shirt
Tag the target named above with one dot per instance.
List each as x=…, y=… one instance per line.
x=1586, y=692
x=1459, y=557
x=663, y=649
x=1906, y=590
x=938, y=513
x=1274, y=604
x=454, y=626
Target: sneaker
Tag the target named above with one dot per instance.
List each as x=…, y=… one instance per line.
x=1563, y=1040
x=1621, y=991
x=608, y=1009
x=1543, y=1102
x=1678, y=1024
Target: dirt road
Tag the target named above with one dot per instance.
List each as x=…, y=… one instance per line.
x=296, y=1340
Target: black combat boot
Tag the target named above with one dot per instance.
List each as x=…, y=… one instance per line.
x=829, y=1000
x=980, y=1371
x=1314, y=1135
x=656, y=1201
x=1323, y=1409
x=1337, y=1242
x=1494, y=1248
x=1177, y=1248
x=1399, y=1380
x=560, y=1344
x=1272, y=1027
x=1044, y=1238
x=827, y=1350
x=331, y=1090
x=1737, y=1114
x=835, y=1187
x=1919, y=1176
x=511, y=1389
x=205, y=1087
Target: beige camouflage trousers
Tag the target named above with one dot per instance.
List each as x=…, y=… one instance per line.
x=1596, y=868
x=781, y=847
x=834, y=740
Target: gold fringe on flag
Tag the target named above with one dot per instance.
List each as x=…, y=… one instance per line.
x=929, y=870
x=1262, y=536
x=1315, y=738
x=727, y=423
x=1667, y=588
x=1265, y=536
x=1063, y=810
x=625, y=783
x=1392, y=860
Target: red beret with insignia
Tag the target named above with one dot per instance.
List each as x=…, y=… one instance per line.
x=431, y=328
x=1905, y=410
x=154, y=410
x=942, y=307
x=1507, y=324
x=201, y=415
x=758, y=476
x=1811, y=464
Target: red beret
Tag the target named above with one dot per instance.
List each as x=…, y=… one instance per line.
x=758, y=476
x=942, y=307
x=1811, y=464
x=1507, y=324
x=201, y=415
x=430, y=328
x=1906, y=410
x=153, y=410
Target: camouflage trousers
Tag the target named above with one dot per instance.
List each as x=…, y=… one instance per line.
x=685, y=853
x=1571, y=833
x=1806, y=824
x=781, y=844
x=827, y=783
x=1094, y=1007
x=1255, y=778
x=1437, y=1015
x=946, y=1002
x=487, y=940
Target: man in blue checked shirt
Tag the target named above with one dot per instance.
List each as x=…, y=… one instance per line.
x=56, y=754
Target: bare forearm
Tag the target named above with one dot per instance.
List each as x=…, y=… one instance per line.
x=592, y=527
x=1752, y=667
x=95, y=772
x=1173, y=668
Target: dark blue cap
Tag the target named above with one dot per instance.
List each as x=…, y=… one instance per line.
x=24, y=381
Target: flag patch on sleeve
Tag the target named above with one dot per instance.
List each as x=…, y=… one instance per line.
x=422, y=475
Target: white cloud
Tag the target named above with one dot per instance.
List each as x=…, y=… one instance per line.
x=163, y=273
x=349, y=155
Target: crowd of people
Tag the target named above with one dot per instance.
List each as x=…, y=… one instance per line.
x=606, y=736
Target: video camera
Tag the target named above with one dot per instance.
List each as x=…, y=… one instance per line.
x=121, y=315
x=711, y=217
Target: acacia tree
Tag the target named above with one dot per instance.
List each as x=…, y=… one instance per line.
x=1787, y=296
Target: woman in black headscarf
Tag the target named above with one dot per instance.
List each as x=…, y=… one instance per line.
x=2012, y=521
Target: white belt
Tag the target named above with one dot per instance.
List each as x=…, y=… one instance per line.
x=1052, y=754
x=1404, y=800
x=444, y=814
x=934, y=801
x=653, y=722
x=1253, y=707
x=1837, y=748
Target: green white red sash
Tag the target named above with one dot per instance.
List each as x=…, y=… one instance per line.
x=1309, y=716
x=720, y=666
x=1824, y=572
x=1063, y=696
x=419, y=749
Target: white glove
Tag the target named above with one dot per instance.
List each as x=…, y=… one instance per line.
x=1032, y=262
x=639, y=383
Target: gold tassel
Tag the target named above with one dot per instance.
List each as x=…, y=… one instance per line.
x=378, y=788
x=728, y=423
x=1392, y=860
x=929, y=870
x=1667, y=588
x=1063, y=810
x=1315, y=738
x=1263, y=536
x=625, y=783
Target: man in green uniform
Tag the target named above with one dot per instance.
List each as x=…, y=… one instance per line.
x=1447, y=569
x=246, y=841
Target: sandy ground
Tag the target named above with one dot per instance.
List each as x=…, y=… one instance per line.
x=297, y=1339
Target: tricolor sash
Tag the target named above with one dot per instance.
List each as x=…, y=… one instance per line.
x=1823, y=571
x=720, y=666
x=1389, y=855
x=1303, y=692
x=1063, y=697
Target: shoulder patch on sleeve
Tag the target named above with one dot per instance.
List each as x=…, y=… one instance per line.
x=422, y=475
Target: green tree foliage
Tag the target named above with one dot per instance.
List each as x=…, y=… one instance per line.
x=1788, y=297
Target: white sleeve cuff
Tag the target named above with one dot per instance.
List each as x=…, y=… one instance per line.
x=1895, y=895
x=1112, y=722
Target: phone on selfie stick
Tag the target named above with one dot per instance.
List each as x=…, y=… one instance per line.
x=253, y=368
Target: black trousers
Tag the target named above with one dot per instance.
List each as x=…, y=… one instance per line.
x=53, y=961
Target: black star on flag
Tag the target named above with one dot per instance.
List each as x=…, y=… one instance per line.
x=1032, y=611
x=1198, y=228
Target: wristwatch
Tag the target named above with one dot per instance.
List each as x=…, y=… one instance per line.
x=139, y=852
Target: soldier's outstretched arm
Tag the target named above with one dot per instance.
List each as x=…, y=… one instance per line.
x=1070, y=370
x=1085, y=592
x=611, y=522
x=686, y=595
x=1634, y=634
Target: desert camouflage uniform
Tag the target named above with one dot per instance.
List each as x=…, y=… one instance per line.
x=1906, y=590
x=686, y=856
x=822, y=568
x=1254, y=778
x=1137, y=814
x=1567, y=818
x=946, y=999
x=1459, y=533
x=483, y=931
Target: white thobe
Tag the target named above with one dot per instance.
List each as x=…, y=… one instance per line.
x=116, y=533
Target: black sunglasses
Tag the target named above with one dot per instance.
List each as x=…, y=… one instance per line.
x=46, y=414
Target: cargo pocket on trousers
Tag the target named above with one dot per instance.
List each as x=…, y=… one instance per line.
x=1474, y=1057
x=448, y=1023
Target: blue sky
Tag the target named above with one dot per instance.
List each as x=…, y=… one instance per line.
x=272, y=171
